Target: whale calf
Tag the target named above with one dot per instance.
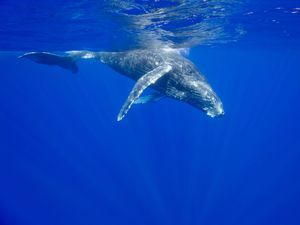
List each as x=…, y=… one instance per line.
x=164, y=70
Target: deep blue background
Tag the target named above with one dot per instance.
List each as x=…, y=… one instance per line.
x=64, y=159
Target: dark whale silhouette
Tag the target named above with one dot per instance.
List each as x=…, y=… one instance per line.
x=164, y=70
x=65, y=62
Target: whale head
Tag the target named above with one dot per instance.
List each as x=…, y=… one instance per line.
x=213, y=106
x=202, y=96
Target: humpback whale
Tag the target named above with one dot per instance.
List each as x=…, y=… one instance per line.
x=165, y=71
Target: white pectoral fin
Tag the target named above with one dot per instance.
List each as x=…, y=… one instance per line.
x=144, y=82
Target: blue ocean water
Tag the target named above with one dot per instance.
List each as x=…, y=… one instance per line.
x=64, y=159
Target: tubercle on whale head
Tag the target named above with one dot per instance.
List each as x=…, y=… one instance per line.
x=205, y=99
x=217, y=111
x=213, y=105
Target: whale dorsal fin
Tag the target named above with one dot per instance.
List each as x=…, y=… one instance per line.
x=142, y=83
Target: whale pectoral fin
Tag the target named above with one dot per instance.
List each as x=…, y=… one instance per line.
x=144, y=82
x=65, y=62
x=154, y=97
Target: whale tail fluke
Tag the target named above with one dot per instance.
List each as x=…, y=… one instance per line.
x=65, y=62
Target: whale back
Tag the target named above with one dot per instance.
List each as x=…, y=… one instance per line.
x=133, y=64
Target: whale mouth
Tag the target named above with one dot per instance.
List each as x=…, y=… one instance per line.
x=215, y=115
x=216, y=111
x=220, y=114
